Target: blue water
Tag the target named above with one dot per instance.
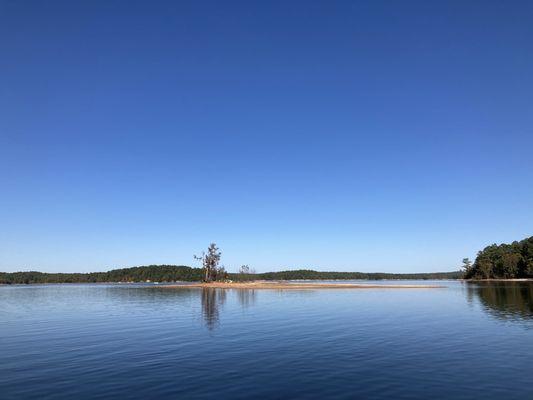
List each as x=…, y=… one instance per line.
x=463, y=341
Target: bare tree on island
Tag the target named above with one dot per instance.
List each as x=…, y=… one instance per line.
x=246, y=273
x=210, y=263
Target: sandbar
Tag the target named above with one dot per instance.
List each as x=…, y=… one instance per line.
x=285, y=285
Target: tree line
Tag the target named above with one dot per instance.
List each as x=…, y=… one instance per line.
x=504, y=261
x=175, y=273
x=210, y=271
x=332, y=275
x=154, y=273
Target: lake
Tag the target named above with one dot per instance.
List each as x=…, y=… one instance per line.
x=464, y=341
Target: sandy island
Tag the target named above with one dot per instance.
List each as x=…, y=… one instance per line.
x=294, y=286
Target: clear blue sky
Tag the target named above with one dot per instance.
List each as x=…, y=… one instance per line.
x=336, y=135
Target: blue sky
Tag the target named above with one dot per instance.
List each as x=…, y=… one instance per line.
x=355, y=136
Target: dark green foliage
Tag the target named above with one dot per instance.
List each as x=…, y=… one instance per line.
x=310, y=274
x=154, y=273
x=504, y=261
x=172, y=273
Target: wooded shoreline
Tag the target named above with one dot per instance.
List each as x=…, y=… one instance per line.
x=291, y=285
x=181, y=273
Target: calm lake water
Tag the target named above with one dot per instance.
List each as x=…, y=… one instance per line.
x=132, y=341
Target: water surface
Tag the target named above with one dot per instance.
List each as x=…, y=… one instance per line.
x=134, y=341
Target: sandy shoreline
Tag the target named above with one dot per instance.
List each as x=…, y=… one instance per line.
x=294, y=286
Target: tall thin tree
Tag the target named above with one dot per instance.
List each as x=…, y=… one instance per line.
x=210, y=262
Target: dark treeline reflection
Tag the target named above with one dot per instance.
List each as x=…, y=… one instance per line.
x=214, y=299
x=505, y=300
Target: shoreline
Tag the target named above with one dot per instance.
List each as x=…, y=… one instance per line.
x=287, y=285
x=268, y=284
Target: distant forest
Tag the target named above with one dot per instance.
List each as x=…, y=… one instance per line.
x=173, y=273
x=504, y=261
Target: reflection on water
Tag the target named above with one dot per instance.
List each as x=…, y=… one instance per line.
x=504, y=300
x=247, y=297
x=509, y=301
x=214, y=299
x=147, y=341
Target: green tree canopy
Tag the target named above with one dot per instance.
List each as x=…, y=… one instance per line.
x=504, y=261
